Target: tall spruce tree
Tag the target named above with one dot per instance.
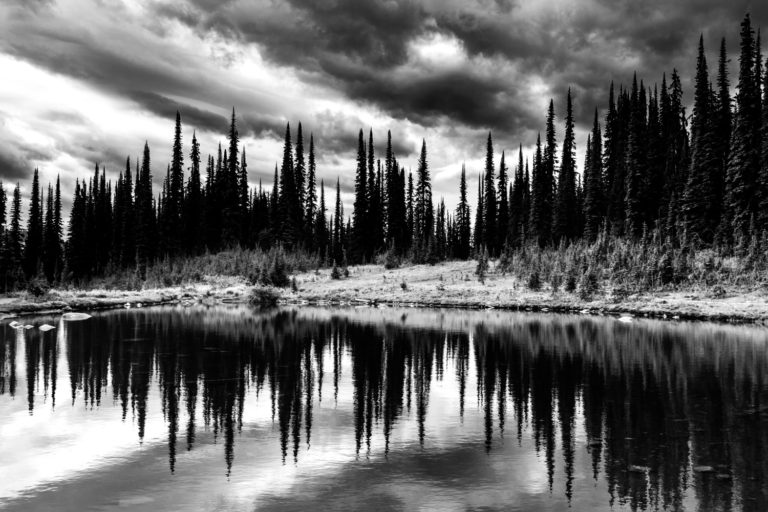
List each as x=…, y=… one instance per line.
x=517, y=204
x=502, y=203
x=479, y=236
x=360, y=218
x=423, y=210
x=311, y=197
x=743, y=157
x=699, y=202
x=593, y=183
x=490, y=236
x=565, y=211
x=33, y=248
x=635, y=163
x=463, y=219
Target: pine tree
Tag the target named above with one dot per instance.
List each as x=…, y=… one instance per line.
x=502, y=216
x=229, y=195
x=245, y=202
x=540, y=193
x=360, y=226
x=463, y=220
x=288, y=201
x=375, y=219
x=699, y=207
x=635, y=164
x=424, y=214
x=33, y=248
x=410, y=218
x=193, y=203
x=763, y=207
x=338, y=223
x=300, y=175
x=490, y=236
x=51, y=240
x=565, y=211
x=311, y=198
x=479, y=236
x=320, y=229
x=723, y=126
x=743, y=156
x=145, y=216
x=593, y=186
x=4, y=256
x=517, y=203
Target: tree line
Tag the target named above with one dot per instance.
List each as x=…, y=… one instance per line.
x=649, y=167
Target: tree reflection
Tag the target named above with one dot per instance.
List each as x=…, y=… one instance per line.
x=653, y=406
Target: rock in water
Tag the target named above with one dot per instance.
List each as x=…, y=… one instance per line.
x=626, y=319
x=72, y=317
x=14, y=325
x=46, y=327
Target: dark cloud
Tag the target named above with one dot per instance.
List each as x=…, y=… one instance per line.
x=13, y=167
x=358, y=45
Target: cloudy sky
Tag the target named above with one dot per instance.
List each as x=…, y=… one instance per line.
x=87, y=81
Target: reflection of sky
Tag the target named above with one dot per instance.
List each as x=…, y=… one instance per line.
x=77, y=457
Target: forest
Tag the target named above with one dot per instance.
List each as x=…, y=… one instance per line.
x=655, y=178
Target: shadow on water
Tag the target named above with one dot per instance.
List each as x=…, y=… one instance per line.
x=660, y=409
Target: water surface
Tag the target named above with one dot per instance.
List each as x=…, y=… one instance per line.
x=228, y=408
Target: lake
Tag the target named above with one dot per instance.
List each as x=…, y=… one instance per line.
x=231, y=408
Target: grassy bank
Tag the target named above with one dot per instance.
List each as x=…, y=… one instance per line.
x=455, y=284
x=449, y=284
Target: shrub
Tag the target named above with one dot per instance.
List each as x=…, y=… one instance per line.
x=570, y=283
x=38, y=287
x=404, y=286
x=556, y=280
x=263, y=297
x=335, y=274
x=534, y=281
x=588, y=285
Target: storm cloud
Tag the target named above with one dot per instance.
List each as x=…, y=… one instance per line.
x=447, y=71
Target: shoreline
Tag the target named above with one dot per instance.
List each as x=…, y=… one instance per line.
x=448, y=285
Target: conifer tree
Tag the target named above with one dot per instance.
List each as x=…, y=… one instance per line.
x=699, y=208
x=360, y=218
x=410, y=219
x=33, y=248
x=229, y=195
x=338, y=223
x=743, y=157
x=423, y=209
x=502, y=202
x=320, y=228
x=540, y=192
x=635, y=184
x=490, y=236
x=290, y=217
x=593, y=186
x=517, y=203
x=145, y=216
x=479, y=236
x=311, y=197
x=463, y=220
x=193, y=202
x=51, y=240
x=4, y=256
x=565, y=212
x=723, y=121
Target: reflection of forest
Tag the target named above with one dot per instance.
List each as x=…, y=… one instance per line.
x=656, y=400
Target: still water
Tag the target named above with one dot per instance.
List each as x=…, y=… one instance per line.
x=229, y=408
